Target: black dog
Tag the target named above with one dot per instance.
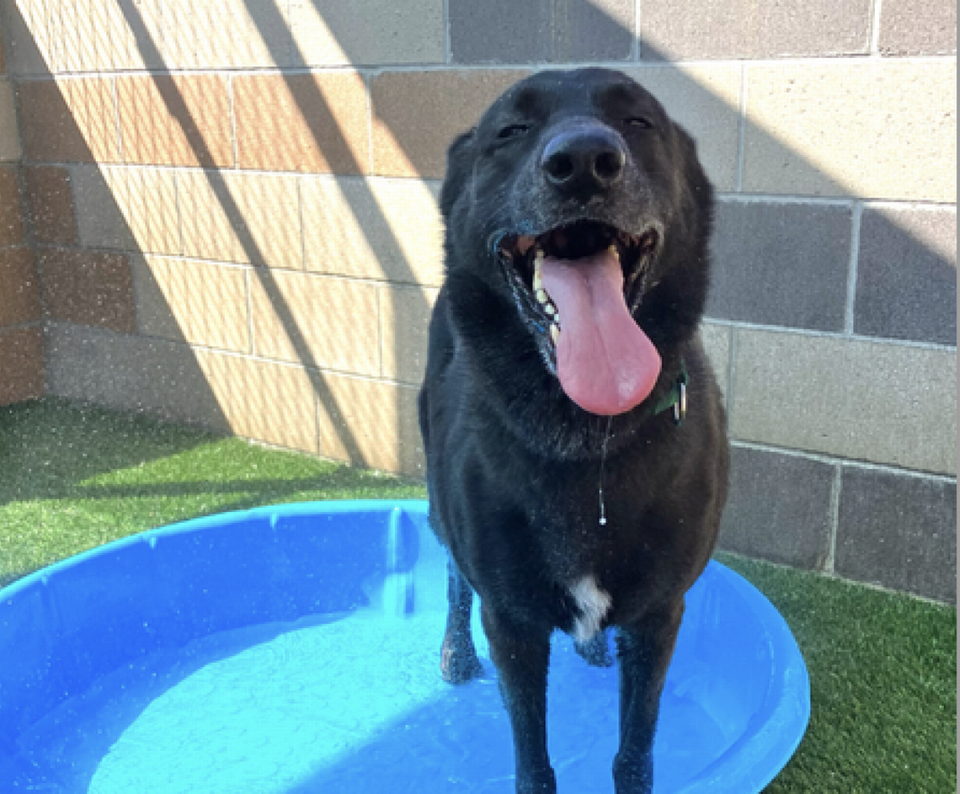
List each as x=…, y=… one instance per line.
x=575, y=440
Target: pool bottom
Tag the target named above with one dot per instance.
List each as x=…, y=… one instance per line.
x=349, y=704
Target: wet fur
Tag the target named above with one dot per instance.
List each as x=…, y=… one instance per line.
x=513, y=464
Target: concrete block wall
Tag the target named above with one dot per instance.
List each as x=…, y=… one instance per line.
x=21, y=336
x=232, y=205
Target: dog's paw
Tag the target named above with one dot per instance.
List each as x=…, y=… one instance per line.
x=459, y=662
x=595, y=652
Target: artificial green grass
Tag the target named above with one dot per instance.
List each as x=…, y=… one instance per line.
x=882, y=666
x=75, y=477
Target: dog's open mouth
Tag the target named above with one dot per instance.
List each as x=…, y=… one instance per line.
x=578, y=286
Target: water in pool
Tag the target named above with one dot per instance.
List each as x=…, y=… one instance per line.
x=347, y=704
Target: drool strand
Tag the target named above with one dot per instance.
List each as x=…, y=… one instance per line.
x=603, y=460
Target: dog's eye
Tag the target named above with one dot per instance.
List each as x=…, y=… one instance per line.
x=640, y=123
x=513, y=131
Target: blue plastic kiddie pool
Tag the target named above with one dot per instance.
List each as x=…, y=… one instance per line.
x=296, y=649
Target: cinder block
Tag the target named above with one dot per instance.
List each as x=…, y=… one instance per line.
x=260, y=400
x=104, y=35
x=907, y=274
x=404, y=330
x=750, y=29
x=131, y=373
x=367, y=32
x=21, y=362
x=226, y=34
x=899, y=531
x=705, y=100
x=371, y=423
x=88, y=288
x=130, y=209
x=417, y=115
x=380, y=229
x=716, y=341
x=778, y=508
x=264, y=401
x=50, y=198
x=232, y=217
x=19, y=287
x=541, y=31
x=781, y=264
x=33, y=34
x=316, y=321
x=81, y=35
x=9, y=137
x=175, y=120
x=69, y=120
x=918, y=27
x=314, y=123
x=860, y=400
x=877, y=129
x=198, y=302
x=11, y=225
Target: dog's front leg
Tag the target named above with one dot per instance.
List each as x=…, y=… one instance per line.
x=644, y=651
x=459, y=662
x=521, y=654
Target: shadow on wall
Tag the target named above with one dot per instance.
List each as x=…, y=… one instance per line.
x=787, y=265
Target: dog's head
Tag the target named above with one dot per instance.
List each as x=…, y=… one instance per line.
x=578, y=206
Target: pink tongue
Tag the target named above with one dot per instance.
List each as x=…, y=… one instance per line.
x=606, y=364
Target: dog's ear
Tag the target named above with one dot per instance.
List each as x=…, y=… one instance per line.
x=459, y=166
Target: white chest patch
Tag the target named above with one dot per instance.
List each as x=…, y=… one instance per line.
x=594, y=604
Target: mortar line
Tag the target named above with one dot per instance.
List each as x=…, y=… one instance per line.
x=316, y=419
x=434, y=66
x=303, y=225
x=829, y=564
x=261, y=359
x=447, y=38
x=836, y=460
x=732, y=371
x=784, y=198
x=342, y=277
x=180, y=230
x=849, y=316
x=875, y=31
x=879, y=588
x=252, y=346
x=831, y=335
x=381, y=336
x=744, y=198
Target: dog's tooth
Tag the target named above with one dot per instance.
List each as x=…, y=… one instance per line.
x=550, y=308
x=542, y=296
x=537, y=281
x=614, y=250
x=555, y=333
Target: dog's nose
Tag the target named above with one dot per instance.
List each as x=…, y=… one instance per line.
x=584, y=162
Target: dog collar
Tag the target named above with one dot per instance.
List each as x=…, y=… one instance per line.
x=676, y=398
